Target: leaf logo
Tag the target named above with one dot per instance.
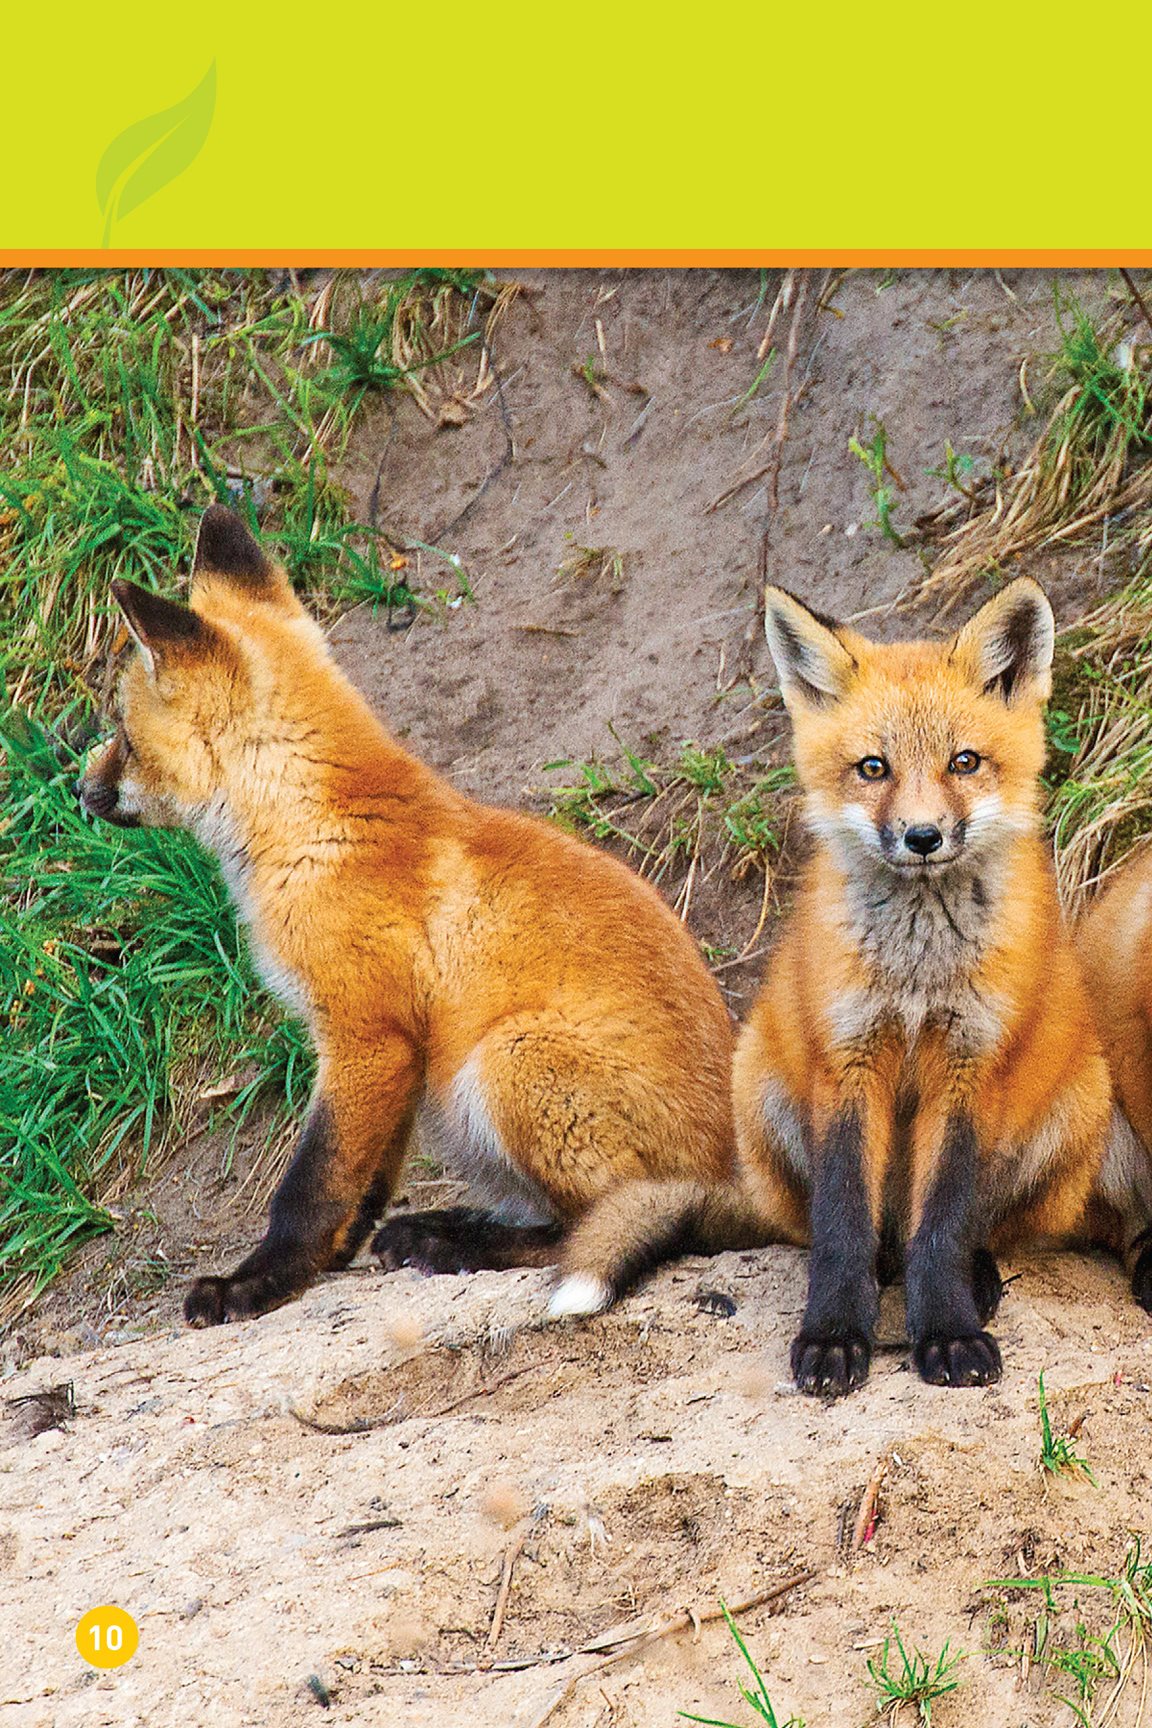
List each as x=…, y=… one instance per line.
x=149, y=155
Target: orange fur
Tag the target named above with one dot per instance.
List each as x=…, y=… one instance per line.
x=540, y=1000
x=1115, y=944
x=930, y=1014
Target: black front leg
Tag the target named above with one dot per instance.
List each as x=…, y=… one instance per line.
x=1140, y=1255
x=949, y=1345
x=833, y=1350
x=339, y=1182
x=296, y=1246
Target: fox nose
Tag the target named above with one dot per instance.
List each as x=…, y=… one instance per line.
x=99, y=799
x=923, y=839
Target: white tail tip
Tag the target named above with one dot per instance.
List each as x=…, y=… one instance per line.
x=579, y=1294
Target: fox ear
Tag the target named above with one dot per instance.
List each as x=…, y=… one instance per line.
x=162, y=628
x=225, y=547
x=1009, y=643
x=814, y=665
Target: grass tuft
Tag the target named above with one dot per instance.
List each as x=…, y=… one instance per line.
x=1089, y=1662
x=912, y=1679
x=756, y=1696
x=681, y=821
x=874, y=456
x=1058, y=1454
x=1117, y=1655
x=1089, y=466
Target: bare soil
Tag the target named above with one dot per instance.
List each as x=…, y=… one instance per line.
x=656, y=1459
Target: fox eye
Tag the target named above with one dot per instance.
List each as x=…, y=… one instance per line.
x=872, y=768
x=964, y=762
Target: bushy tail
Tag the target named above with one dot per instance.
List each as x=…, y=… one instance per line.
x=632, y=1229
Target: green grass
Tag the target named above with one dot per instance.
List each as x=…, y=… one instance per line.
x=113, y=944
x=753, y=388
x=128, y=401
x=1104, y=408
x=364, y=356
x=1058, y=1454
x=902, y=1678
x=1110, y=1657
x=698, y=808
x=874, y=456
x=755, y=1696
x=1088, y=1662
x=958, y=471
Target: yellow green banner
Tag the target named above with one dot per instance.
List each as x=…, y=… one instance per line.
x=634, y=132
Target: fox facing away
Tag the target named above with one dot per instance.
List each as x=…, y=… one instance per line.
x=538, y=1002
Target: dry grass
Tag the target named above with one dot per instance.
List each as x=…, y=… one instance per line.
x=132, y=399
x=1102, y=725
x=592, y=569
x=1087, y=470
x=695, y=815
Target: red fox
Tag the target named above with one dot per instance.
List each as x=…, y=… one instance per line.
x=921, y=1070
x=1115, y=944
x=539, y=1001
x=921, y=1073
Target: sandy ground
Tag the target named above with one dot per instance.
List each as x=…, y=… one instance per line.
x=659, y=1456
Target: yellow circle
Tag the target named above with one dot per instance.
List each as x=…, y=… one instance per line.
x=107, y=1637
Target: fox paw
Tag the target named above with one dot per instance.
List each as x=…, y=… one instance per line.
x=410, y=1242
x=830, y=1367
x=971, y=1361
x=987, y=1285
x=1142, y=1278
x=213, y=1301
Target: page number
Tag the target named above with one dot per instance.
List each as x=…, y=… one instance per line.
x=107, y=1637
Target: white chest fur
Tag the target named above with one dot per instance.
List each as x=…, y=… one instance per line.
x=921, y=942
x=216, y=829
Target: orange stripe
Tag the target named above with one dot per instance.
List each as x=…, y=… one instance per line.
x=514, y=257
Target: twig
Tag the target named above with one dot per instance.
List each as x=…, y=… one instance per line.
x=740, y=959
x=787, y=399
x=1136, y=295
x=631, y=1643
x=511, y=1554
x=639, y=423
x=746, y=951
x=544, y=630
x=507, y=455
x=675, y=1623
x=556, y=1700
x=371, y=1525
x=730, y=491
x=865, y=1525
x=365, y=1425
x=485, y=1391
